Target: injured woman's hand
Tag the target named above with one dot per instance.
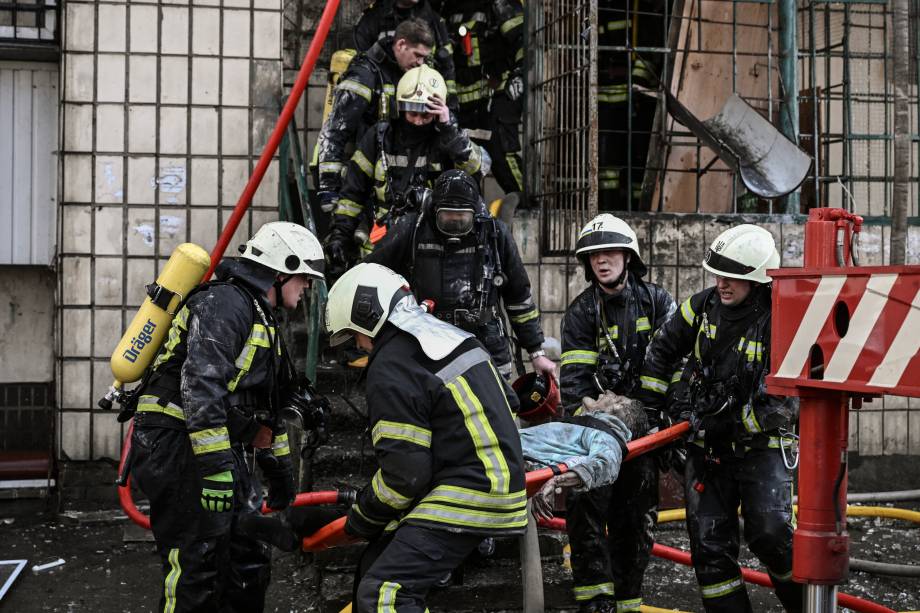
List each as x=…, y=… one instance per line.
x=544, y=501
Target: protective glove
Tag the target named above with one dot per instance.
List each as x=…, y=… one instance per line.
x=279, y=473
x=514, y=87
x=543, y=503
x=217, y=492
x=336, y=257
x=328, y=201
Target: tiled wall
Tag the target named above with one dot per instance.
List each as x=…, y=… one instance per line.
x=165, y=109
x=673, y=247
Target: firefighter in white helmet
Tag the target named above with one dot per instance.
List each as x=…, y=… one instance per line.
x=741, y=444
x=209, y=406
x=396, y=161
x=605, y=332
x=451, y=468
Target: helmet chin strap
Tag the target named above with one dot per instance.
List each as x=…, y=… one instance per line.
x=278, y=284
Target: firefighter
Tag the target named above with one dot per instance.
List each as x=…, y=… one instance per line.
x=454, y=253
x=738, y=450
x=451, y=470
x=381, y=18
x=488, y=44
x=210, y=404
x=605, y=332
x=395, y=160
x=364, y=96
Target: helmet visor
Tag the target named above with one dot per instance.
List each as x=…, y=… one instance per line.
x=415, y=107
x=454, y=222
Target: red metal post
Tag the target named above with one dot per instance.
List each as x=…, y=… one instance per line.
x=821, y=543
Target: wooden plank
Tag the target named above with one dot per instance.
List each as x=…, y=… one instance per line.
x=44, y=166
x=702, y=81
x=22, y=166
x=6, y=166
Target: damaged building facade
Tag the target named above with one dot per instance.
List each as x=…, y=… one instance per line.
x=135, y=126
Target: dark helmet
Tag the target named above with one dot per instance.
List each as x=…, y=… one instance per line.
x=455, y=201
x=538, y=396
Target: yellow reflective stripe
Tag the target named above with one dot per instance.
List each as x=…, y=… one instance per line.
x=677, y=375
x=451, y=86
x=625, y=606
x=613, y=331
x=466, y=497
x=349, y=208
x=749, y=419
x=723, y=588
x=579, y=356
x=386, y=601
x=331, y=167
x=526, y=316
x=654, y=385
x=151, y=404
x=401, y=432
x=258, y=337
x=643, y=325
x=280, y=446
x=363, y=163
x=349, y=85
x=468, y=517
x=210, y=440
x=484, y=439
x=587, y=592
x=387, y=495
x=511, y=24
x=619, y=24
x=710, y=331
x=172, y=580
x=512, y=160
x=519, y=55
x=179, y=325
x=687, y=312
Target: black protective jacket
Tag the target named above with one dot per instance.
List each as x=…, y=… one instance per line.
x=457, y=274
x=393, y=157
x=217, y=362
x=496, y=45
x=363, y=96
x=445, y=440
x=630, y=319
x=379, y=21
x=729, y=359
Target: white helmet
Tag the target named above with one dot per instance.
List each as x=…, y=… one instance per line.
x=743, y=252
x=287, y=248
x=606, y=232
x=416, y=86
x=361, y=300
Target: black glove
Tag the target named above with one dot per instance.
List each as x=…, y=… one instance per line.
x=279, y=473
x=328, y=201
x=336, y=256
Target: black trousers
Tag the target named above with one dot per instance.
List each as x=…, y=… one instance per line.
x=762, y=485
x=207, y=564
x=396, y=571
x=610, y=532
x=502, y=119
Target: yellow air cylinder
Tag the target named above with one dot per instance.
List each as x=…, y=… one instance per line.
x=337, y=67
x=141, y=341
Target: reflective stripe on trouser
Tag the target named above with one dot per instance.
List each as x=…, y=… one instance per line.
x=202, y=554
x=401, y=569
x=761, y=484
x=627, y=512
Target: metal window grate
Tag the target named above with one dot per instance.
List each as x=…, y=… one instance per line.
x=602, y=139
x=26, y=416
x=33, y=21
